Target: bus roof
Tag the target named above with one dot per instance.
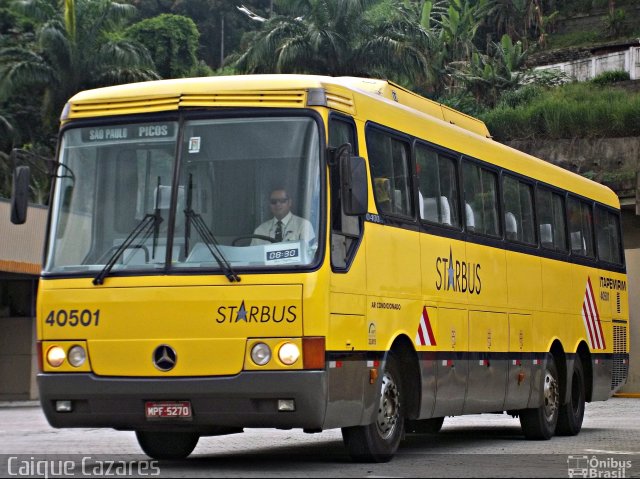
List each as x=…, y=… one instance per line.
x=360, y=97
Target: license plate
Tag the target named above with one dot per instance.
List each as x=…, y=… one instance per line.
x=167, y=410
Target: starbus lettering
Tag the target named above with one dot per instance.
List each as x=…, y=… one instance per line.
x=459, y=276
x=256, y=314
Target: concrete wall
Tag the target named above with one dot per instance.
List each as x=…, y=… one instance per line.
x=17, y=359
x=584, y=69
x=633, y=268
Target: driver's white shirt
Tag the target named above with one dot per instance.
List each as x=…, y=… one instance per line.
x=294, y=228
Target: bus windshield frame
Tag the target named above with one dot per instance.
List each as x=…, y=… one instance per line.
x=203, y=179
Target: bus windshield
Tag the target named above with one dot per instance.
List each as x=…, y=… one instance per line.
x=246, y=194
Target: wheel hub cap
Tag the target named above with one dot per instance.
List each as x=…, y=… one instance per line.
x=389, y=407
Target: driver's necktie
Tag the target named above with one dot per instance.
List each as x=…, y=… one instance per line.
x=278, y=236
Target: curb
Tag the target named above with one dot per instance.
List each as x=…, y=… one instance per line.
x=17, y=404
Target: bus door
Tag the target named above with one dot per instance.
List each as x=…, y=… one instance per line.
x=349, y=335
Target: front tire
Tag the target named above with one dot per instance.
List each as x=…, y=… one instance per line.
x=572, y=413
x=379, y=441
x=540, y=423
x=167, y=445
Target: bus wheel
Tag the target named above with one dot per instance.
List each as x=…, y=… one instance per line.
x=378, y=442
x=167, y=445
x=425, y=426
x=540, y=422
x=572, y=413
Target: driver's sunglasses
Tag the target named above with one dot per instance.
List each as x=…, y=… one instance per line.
x=275, y=201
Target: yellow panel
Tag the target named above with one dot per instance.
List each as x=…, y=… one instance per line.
x=350, y=332
x=465, y=121
x=391, y=261
x=390, y=317
x=612, y=294
x=488, y=332
x=180, y=313
x=523, y=281
x=195, y=357
x=341, y=303
x=520, y=333
x=559, y=276
x=490, y=276
x=451, y=331
x=446, y=275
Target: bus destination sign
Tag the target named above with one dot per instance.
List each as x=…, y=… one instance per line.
x=128, y=132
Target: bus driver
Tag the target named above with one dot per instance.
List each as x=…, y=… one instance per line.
x=284, y=226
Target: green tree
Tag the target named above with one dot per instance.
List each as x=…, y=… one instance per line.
x=172, y=41
x=336, y=38
x=77, y=47
x=487, y=77
x=459, y=25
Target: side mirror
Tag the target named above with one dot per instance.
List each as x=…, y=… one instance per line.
x=353, y=182
x=20, y=194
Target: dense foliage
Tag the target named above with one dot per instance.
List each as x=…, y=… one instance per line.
x=469, y=54
x=586, y=110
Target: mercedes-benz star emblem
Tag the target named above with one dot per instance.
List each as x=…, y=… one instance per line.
x=164, y=358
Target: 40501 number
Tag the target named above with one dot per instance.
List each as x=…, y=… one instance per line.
x=73, y=317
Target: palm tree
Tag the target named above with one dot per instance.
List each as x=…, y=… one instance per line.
x=336, y=38
x=76, y=48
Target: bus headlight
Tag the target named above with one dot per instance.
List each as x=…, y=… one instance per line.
x=288, y=353
x=77, y=356
x=56, y=356
x=260, y=354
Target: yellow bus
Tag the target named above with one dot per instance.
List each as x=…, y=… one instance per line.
x=290, y=251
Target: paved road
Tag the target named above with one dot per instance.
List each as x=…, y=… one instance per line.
x=469, y=446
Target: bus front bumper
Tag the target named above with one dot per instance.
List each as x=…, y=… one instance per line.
x=249, y=399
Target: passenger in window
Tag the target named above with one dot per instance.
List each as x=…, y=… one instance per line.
x=383, y=194
x=284, y=226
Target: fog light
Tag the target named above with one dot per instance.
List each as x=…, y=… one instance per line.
x=288, y=353
x=286, y=405
x=77, y=356
x=260, y=354
x=56, y=356
x=64, y=406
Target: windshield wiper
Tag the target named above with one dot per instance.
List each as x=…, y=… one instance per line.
x=148, y=223
x=205, y=233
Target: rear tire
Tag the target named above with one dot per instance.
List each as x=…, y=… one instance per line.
x=540, y=423
x=572, y=413
x=167, y=445
x=379, y=441
x=425, y=426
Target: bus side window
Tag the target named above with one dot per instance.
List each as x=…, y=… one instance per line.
x=345, y=230
x=551, y=219
x=481, y=194
x=580, y=227
x=518, y=205
x=437, y=187
x=608, y=236
x=559, y=222
x=389, y=163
